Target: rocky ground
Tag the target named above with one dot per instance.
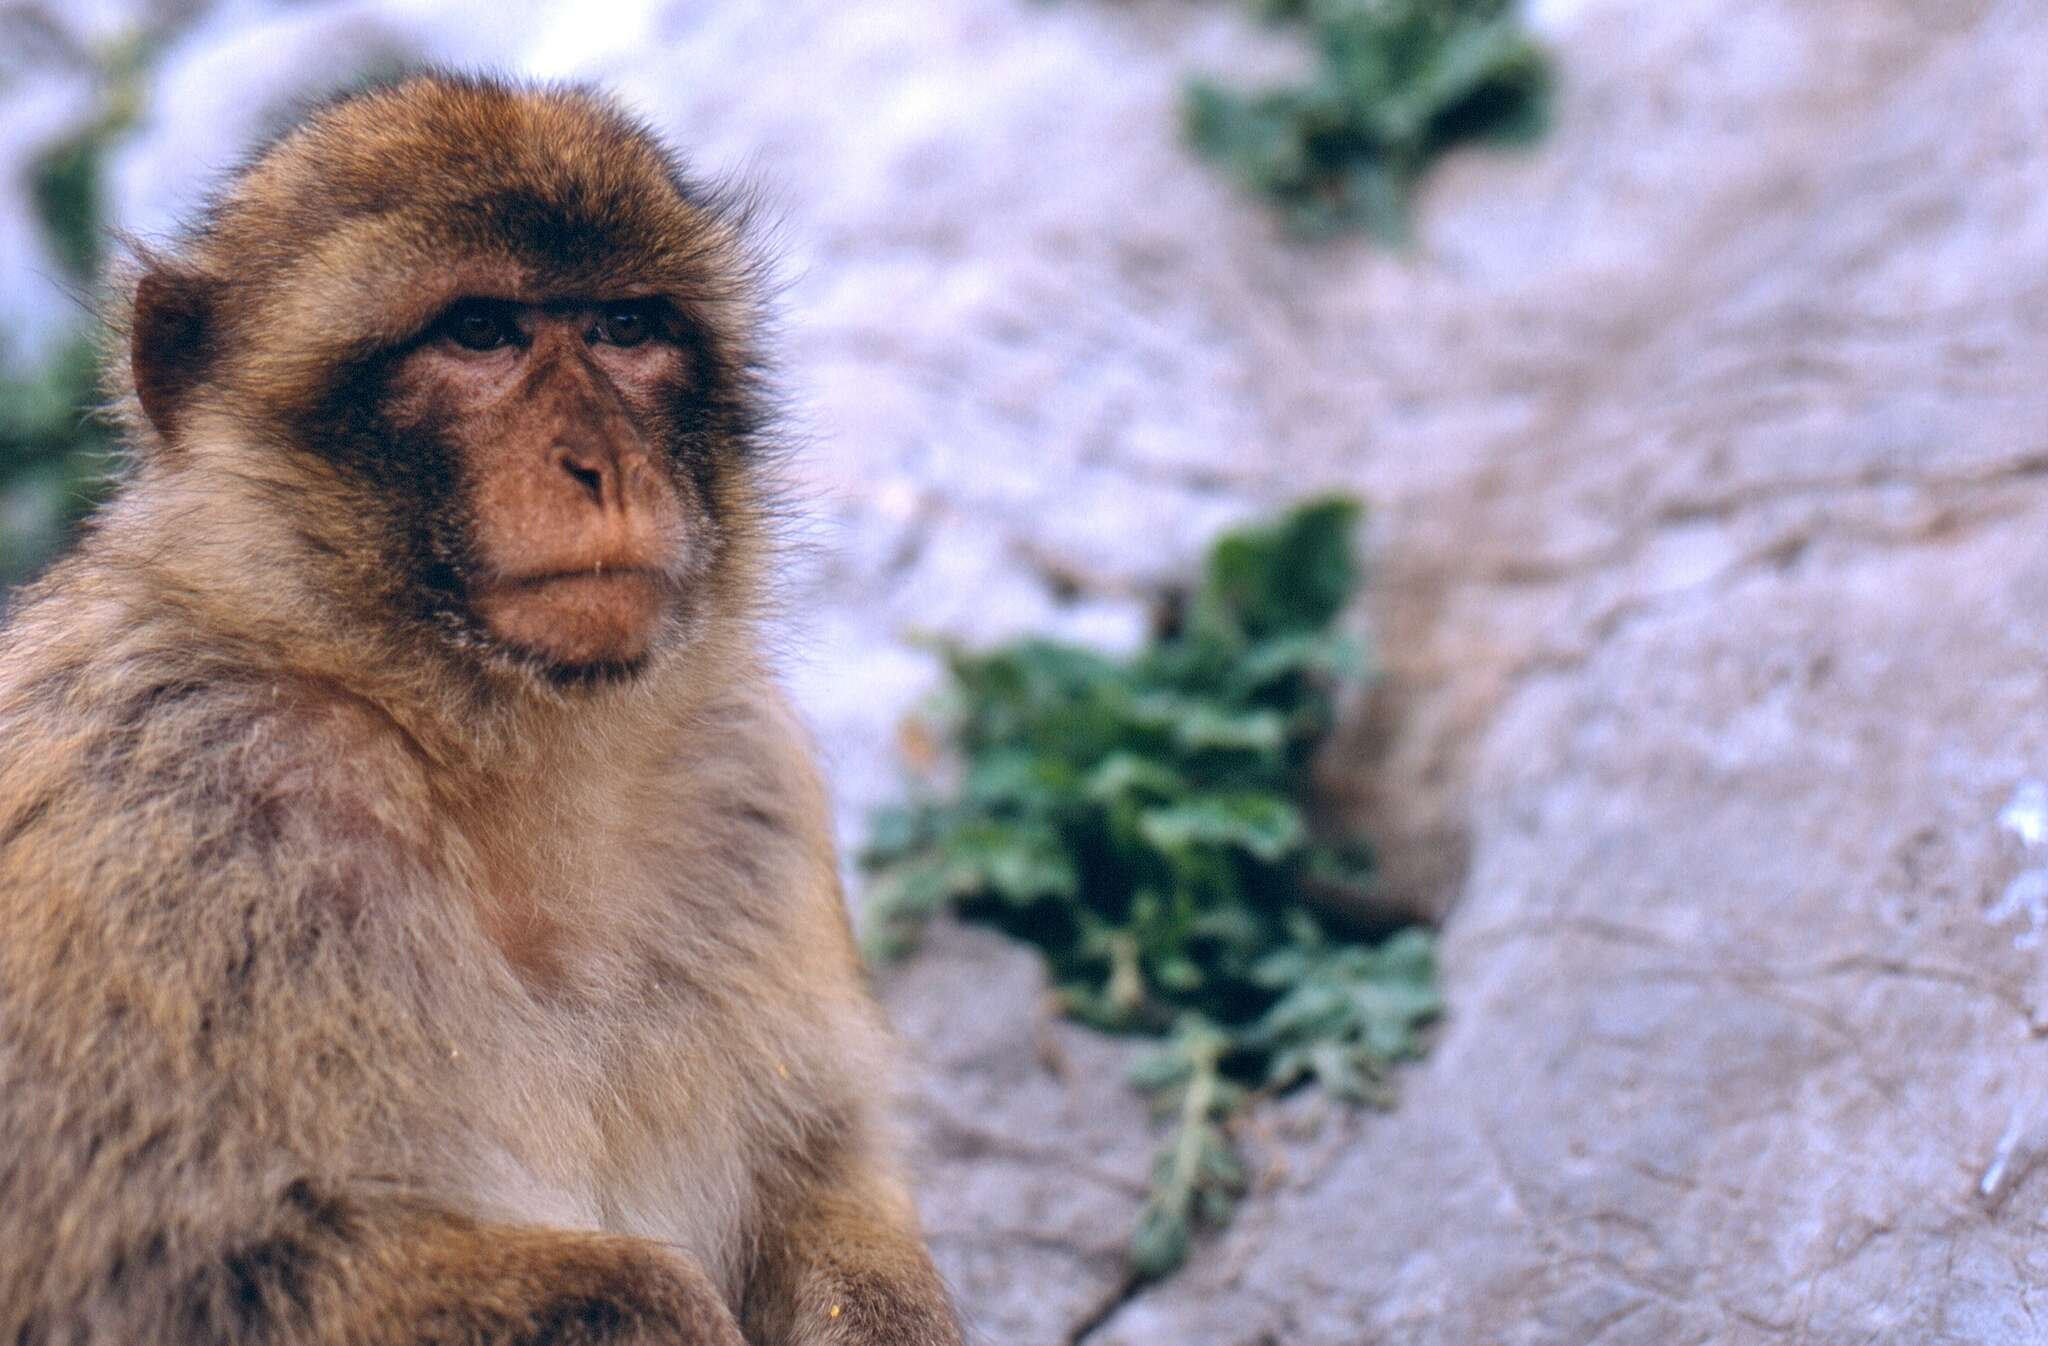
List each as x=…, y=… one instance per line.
x=1709, y=446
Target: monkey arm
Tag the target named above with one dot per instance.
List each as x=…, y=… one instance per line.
x=344, y=1271
x=848, y=1267
x=840, y=1258
x=398, y=1273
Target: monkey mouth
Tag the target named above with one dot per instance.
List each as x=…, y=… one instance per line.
x=602, y=616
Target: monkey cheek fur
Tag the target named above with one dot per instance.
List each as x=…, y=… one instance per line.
x=578, y=620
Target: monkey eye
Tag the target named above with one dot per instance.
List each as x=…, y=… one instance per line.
x=478, y=325
x=625, y=325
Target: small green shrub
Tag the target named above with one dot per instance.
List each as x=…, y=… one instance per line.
x=1141, y=823
x=56, y=448
x=55, y=454
x=1397, y=82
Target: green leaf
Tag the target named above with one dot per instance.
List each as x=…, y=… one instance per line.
x=1262, y=825
x=893, y=832
x=1286, y=578
x=1166, y=1068
x=1345, y=872
x=1019, y=862
x=1023, y=783
x=1314, y=654
x=1160, y=1243
x=1207, y=726
x=1398, y=82
x=1126, y=775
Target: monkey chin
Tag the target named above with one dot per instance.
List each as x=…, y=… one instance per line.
x=579, y=626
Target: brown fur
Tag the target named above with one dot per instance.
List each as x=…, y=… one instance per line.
x=363, y=980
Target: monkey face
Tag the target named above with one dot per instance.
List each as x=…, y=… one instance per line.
x=575, y=533
x=502, y=352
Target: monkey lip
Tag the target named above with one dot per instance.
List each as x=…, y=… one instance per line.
x=580, y=617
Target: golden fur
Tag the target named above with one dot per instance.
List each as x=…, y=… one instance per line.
x=358, y=985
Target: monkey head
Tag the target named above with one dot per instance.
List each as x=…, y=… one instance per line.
x=483, y=355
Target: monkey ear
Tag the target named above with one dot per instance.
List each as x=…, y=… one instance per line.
x=170, y=342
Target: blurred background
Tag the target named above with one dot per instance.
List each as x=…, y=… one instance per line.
x=1692, y=360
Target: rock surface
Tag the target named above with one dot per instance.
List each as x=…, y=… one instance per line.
x=1709, y=445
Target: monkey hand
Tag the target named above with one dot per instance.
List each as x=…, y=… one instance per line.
x=456, y=1282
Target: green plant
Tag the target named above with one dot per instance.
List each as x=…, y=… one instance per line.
x=55, y=452
x=55, y=447
x=1141, y=822
x=1396, y=83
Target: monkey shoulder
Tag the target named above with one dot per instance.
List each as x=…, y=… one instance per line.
x=743, y=806
x=168, y=785
x=186, y=929
x=746, y=866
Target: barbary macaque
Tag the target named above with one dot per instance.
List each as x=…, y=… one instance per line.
x=419, y=921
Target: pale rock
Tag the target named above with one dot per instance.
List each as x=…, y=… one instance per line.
x=1708, y=445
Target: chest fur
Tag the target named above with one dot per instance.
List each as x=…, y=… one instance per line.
x=665, y=1082
x=676, y=1017
x=671, y=1123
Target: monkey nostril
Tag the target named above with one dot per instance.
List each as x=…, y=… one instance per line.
x=589, y=477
